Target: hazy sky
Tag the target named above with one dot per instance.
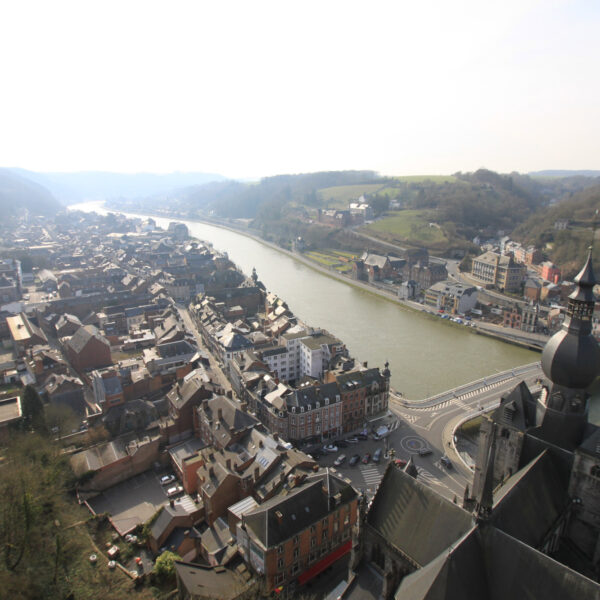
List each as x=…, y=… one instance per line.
x=256, y=88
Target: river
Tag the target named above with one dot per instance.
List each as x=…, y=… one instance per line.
x=426, y=356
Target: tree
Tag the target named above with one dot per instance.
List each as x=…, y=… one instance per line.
x=164, y=567
x=33, y=409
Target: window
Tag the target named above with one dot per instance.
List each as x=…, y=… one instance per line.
x=324, y=522
x=279, y=549
x=324, y=535
x=312, y=528
x=295, y=539
x=313, y=542
x=296, y=552
x=280, y=563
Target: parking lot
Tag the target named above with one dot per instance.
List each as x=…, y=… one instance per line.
x=132, y=502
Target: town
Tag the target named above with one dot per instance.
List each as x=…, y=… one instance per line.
x=244, y=453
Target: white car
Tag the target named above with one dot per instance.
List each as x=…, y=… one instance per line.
x=330, y=448
x=167, y=479
x=174, y=491
x=339, y=460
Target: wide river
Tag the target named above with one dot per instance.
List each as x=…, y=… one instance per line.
x=426, y=356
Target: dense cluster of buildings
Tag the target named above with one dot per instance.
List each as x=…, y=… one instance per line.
x=225, y=407
x=228, y=404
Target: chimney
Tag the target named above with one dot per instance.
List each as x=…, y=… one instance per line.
x=256, y=473
x=279, y=516
x=260, y=444
x=172, y=503
x=228, y=464
x=220, y=414
x=276, y=436
x=365, y=364
x=230, y=394
x=211, y=471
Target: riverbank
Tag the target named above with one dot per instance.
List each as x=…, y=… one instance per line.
x=482, y=329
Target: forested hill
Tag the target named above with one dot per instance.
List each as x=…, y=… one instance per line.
x=566, y=247
x=18, y=193
x=269, y=196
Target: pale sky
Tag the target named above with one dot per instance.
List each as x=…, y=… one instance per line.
x=253, y=88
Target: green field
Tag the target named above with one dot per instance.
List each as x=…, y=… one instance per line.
x=427, y=178
x=336, y=259
x=339, y=196
x=409, y=225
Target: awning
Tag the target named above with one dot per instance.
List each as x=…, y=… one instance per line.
x=324, y=563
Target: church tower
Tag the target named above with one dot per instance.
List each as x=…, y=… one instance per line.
x=571, y=360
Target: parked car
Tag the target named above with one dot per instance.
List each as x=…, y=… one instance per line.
x=174, y=491
x=362, y=436
x=424, y=451
x=400, y=462
x=366, y=458
x=352, y=440
x=446, y=462
x=377, y=455
x=167, y=479
x=354, y=460
x=339, y=460
x=330, y=448
x=342, y=443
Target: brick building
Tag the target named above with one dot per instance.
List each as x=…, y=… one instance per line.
x=293, y=538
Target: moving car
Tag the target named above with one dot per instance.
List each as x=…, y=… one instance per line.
x=377, y=455
x=339, y=460
x=342, y=443
x=352, y=440
x=330, y=448
x=400, y=462
x=366, y=458
x=424, y=451
x=354, y=460
x=446, y=462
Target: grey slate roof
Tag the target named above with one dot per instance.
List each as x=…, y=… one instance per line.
x=414, y=519
x=303, y=506
x=488, y=564
x=83, y=335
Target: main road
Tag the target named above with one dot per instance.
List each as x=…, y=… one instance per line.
x=428, y=426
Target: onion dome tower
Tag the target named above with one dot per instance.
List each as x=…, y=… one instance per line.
x=571, y=360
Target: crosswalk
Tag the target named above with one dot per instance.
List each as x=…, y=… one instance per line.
x=427, y=477
x=371, y=475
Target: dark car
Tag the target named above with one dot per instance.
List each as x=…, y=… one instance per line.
x=362, y=436
x=424, y=451
x=446, y=462
x=342, y=443
x=366, y=458
x=354, y=460
x=377, y=455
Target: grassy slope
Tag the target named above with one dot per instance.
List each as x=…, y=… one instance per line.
x=340, y=195
x=411, y=226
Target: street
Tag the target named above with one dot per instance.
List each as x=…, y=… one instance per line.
x=429, y=425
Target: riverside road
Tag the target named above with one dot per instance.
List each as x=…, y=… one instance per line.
x=430, y=425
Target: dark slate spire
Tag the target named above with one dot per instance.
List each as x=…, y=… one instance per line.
x=571, y=357
x=410, y=468
x=485, y=503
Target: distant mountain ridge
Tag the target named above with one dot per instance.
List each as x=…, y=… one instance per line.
x=70, y=188
x=565, y=173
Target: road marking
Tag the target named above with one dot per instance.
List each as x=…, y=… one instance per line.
x=371, y=475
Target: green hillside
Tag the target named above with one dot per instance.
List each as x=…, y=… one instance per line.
x=18, y=193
